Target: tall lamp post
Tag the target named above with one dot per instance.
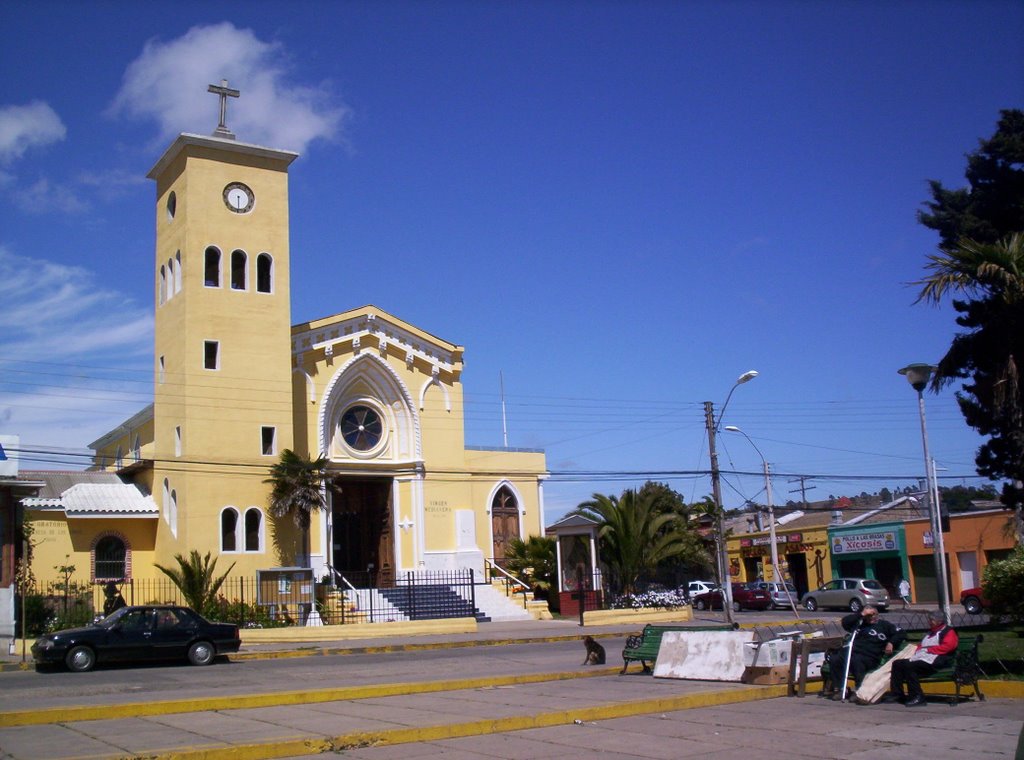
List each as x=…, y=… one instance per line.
x=776, y=572
x=918, y=376
x=713, y=426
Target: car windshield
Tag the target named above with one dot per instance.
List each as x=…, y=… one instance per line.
x=874, y=585
x=113, y=617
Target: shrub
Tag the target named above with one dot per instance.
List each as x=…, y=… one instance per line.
x=1003, y=580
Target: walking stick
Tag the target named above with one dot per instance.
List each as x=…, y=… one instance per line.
x=849, y=656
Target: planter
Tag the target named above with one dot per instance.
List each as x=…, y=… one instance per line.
x=646, y=615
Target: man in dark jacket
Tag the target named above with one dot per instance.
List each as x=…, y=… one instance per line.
x=873, y=638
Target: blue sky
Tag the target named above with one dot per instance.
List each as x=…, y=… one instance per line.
x=619, y=206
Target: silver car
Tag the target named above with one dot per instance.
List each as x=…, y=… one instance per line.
x=853, y=594
x=777, y=593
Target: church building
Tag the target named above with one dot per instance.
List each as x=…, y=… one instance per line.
x=236, y=383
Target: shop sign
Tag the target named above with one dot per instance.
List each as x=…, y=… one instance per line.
x=784, y=538
x=865, y=542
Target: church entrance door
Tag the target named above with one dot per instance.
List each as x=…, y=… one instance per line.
x=363, y=547
x=504, y=523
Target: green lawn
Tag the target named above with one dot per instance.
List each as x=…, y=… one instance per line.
x=1002, y=651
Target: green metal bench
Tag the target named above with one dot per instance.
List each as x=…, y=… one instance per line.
x=964, y=671
x=643, y=647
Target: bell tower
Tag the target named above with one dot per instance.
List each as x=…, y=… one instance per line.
x=222, y=396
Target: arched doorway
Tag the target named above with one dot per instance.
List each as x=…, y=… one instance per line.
x=362, y=543
x=504, y=522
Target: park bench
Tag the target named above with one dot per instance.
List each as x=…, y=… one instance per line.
x=643, y=647
x=964, y=670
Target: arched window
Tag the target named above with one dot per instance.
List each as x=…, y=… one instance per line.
x=228, y=530
x=177, y=272
x=238, y=270
x=110, y=559
x=170, y=279
x=136, y=449
x=166, y=503
x=163, y=283
x=253, y=530
x=119, y=458
x=174, y=512
x=211, y=272
x=264, y=273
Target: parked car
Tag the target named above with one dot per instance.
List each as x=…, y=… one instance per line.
x=974, y=600
x=700, y=587
x=151, y=632
x=853, y=594
x=745, y=596
x=777, y=593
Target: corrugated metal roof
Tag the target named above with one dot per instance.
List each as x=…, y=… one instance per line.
x=83, y=494
x=59, y=481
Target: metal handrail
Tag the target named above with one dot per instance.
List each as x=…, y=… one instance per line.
x=488, y=564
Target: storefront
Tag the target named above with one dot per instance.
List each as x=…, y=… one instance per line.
x=974, y=540
x=870, y=551
x=802, y=548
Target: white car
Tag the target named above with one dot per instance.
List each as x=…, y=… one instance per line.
x=700, y=587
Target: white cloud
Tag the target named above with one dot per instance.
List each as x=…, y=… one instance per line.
x=24, y=127
x=50, y=309
x=45, y=196
x=75, y=357
x=167, y=83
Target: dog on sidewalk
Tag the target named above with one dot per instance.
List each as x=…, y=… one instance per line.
x=595, y=652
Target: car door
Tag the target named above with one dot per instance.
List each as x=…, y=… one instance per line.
x=830, y=595
x=172, y=633
x=131, y=637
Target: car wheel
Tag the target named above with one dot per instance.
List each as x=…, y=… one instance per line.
x=772, y=605
x=973, y=605
x=810, y=604
x=201, y=653
x=736, y=607
x=856, y=605
x=80, y=659
x=700, y=605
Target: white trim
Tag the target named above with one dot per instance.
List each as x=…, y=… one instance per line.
x=490, y=518
x=261, y=539
x=444, y=390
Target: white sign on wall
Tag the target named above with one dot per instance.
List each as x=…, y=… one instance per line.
x=878, y=541
x=10, y=446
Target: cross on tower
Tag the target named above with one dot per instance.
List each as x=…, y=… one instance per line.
x=224, y=92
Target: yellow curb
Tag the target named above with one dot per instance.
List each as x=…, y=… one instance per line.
x=71, y=714
x=1001, y=689
x=292, y=747
x=390, y=648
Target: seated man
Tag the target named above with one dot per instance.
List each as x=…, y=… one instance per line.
x=872, y=638
x=936, y=650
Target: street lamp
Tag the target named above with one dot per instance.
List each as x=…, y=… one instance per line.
x=716, y=490
x=918, y=376
x=771, y=517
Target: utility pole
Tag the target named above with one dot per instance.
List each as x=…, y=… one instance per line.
x=803, y=489
x=716, y=491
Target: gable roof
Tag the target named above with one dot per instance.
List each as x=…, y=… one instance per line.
x=369, y=326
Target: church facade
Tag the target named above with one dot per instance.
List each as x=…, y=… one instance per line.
x=235, y=383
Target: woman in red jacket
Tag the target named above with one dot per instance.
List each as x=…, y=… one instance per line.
x=935, y=651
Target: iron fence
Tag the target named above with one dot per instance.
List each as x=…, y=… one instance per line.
x=245, y=602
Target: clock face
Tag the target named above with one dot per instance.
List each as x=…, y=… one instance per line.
x=239, y=198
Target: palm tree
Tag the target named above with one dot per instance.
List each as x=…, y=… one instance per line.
x=194, y=577
x=977, y=269
x=298, y=489
x=988, y=354
x=635, y=537
x=532, y=561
